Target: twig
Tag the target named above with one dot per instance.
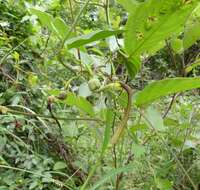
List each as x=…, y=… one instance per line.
x=74, y=23
x=170, y=105
x=12, y=50
x=94, y=4
x=50, y=117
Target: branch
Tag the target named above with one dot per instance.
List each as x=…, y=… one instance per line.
x=46, y=116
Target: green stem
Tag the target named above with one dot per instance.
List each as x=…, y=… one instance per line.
x=91, y=174
x=75, y=22
x=50, y=117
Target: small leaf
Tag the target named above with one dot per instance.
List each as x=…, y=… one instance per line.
x=177, y=45
x=163, y=184
x=138, y=150
x=59, y=165
x=165, y=87
x=60, y=27
x=44, y=18
x=92, y=37
x=3, y=109
x=79, y=102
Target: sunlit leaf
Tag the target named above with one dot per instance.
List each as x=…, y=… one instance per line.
x=192, y=29
x=92, y=37
x=154, y=21
x=79, y=102
x=165, y=87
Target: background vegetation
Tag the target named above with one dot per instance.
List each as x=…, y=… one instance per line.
x=99, y=94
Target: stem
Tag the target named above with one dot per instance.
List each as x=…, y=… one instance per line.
x=50, y=117
x=119, y=131
x=91, y=174
x=106, y=7
x=75, y=23
x=170, y=105
x=171, y=151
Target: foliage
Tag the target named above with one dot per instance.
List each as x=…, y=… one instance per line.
x=74, y=75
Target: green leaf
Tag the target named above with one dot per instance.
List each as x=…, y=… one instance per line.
x=79, y=102
x=163, y=184
x=138, y=150
x=109, y=121
x=155, y=118
x=92, y=37
x=59, y=165
x=56, y=25
x=177, y=45
x=165, y=87
x=60, y=27
x=192, y=29
x=111, y=174
x=44, y=18
x=154, y=21
x=129, y=5
x=133, y=66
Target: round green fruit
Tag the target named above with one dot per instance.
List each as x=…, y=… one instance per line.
x=94, y=84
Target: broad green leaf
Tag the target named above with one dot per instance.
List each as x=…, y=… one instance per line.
x=155, y=118
x=111, y=174
x=79, y=102
x=92, y=37
x=60, y=27
x=165, y=87
x=154, y=21
x=44, y=18
x=129, y=5
x=192, y=29
x=109, y=121
x=59, y=165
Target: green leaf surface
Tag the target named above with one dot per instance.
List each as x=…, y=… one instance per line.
x=192, y=29
x=79, y=102
x=154, y=21
x=44, y=18
x=155, y=118
x=60, y=27
x=129, y=5
x=163, y=184
x=133, y=66
x=111, y=174
x=138, y=150
x=165, y=87
x=56, y=25
x=92, y=37
x=109, y=121
x=59, y=165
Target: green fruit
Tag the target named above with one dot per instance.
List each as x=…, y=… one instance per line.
x=94, y=84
